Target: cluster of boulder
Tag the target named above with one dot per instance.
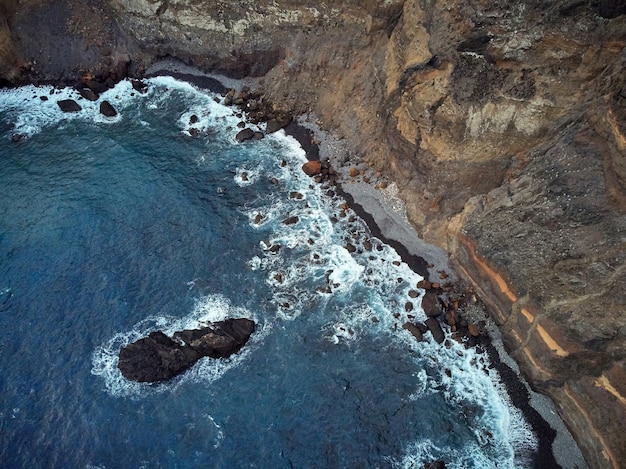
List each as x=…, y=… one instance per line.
x=321, y=171
x=256, y=110
x=452, y=305
x=90, y=89
x=159, y=358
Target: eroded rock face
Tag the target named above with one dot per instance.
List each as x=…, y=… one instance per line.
x=160, y=358
x=547, y=251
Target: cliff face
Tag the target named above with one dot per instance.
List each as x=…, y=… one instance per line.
x=504, y=126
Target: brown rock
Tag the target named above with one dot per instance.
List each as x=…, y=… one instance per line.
x=430, y=304
x=435, y=329
x=413, y=329
x=424, y=284
x=473, y=329
x=354, y=172
x=312, y=168
x=274, y=125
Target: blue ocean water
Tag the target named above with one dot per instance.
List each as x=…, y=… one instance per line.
x=112, y=228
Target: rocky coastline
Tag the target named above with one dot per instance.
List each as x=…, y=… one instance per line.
x=448, y=302
x=502, y=129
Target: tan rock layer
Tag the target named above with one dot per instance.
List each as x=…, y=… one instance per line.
x=592, y=402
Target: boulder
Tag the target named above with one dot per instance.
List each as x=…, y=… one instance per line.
x=69, y=105
x=312, y=168
x=159, y=358
x=291, y=220
x=435, y=329
x=430, y=304
x=107, y=109
x=274, y=125
x=96, y=86
x=413, y=329
x=139, y=86
x=88, y=94
x=245, y=134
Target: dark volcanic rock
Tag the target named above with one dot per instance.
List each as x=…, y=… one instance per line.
x=69, y=105
x=245, y=134
x=435, y=328
x=159, y=358
x=139, y=86
x=155, y=358
x=291, y=220
x=96, y=86
x=88, y=94
x=107, y=109
x=220, y=340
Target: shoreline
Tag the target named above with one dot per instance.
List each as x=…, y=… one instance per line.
x=556, y=446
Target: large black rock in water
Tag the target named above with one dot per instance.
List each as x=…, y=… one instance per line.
x=159, y=358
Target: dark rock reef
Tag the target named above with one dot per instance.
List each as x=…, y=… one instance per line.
x=503, y=125
x=160, y=358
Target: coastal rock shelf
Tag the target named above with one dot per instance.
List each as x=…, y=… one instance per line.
x=160, y=358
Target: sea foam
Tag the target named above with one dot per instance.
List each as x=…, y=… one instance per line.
x=207, y=310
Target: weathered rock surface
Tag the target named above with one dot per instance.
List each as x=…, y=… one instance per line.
x=159, y=358
x=245, y=134
x=312, y=168
x=107, y=109
x=503, y=125
x=69, y=105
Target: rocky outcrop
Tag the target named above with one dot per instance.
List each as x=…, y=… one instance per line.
x=160, y=358
x=503, y=125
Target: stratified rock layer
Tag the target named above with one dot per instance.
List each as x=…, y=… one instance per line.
x=504, y=126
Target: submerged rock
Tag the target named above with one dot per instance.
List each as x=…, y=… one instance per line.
x=159, y=358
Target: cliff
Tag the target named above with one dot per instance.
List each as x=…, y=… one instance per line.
x=503, y=124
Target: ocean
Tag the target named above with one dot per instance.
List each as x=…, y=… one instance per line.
x=111, y=228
